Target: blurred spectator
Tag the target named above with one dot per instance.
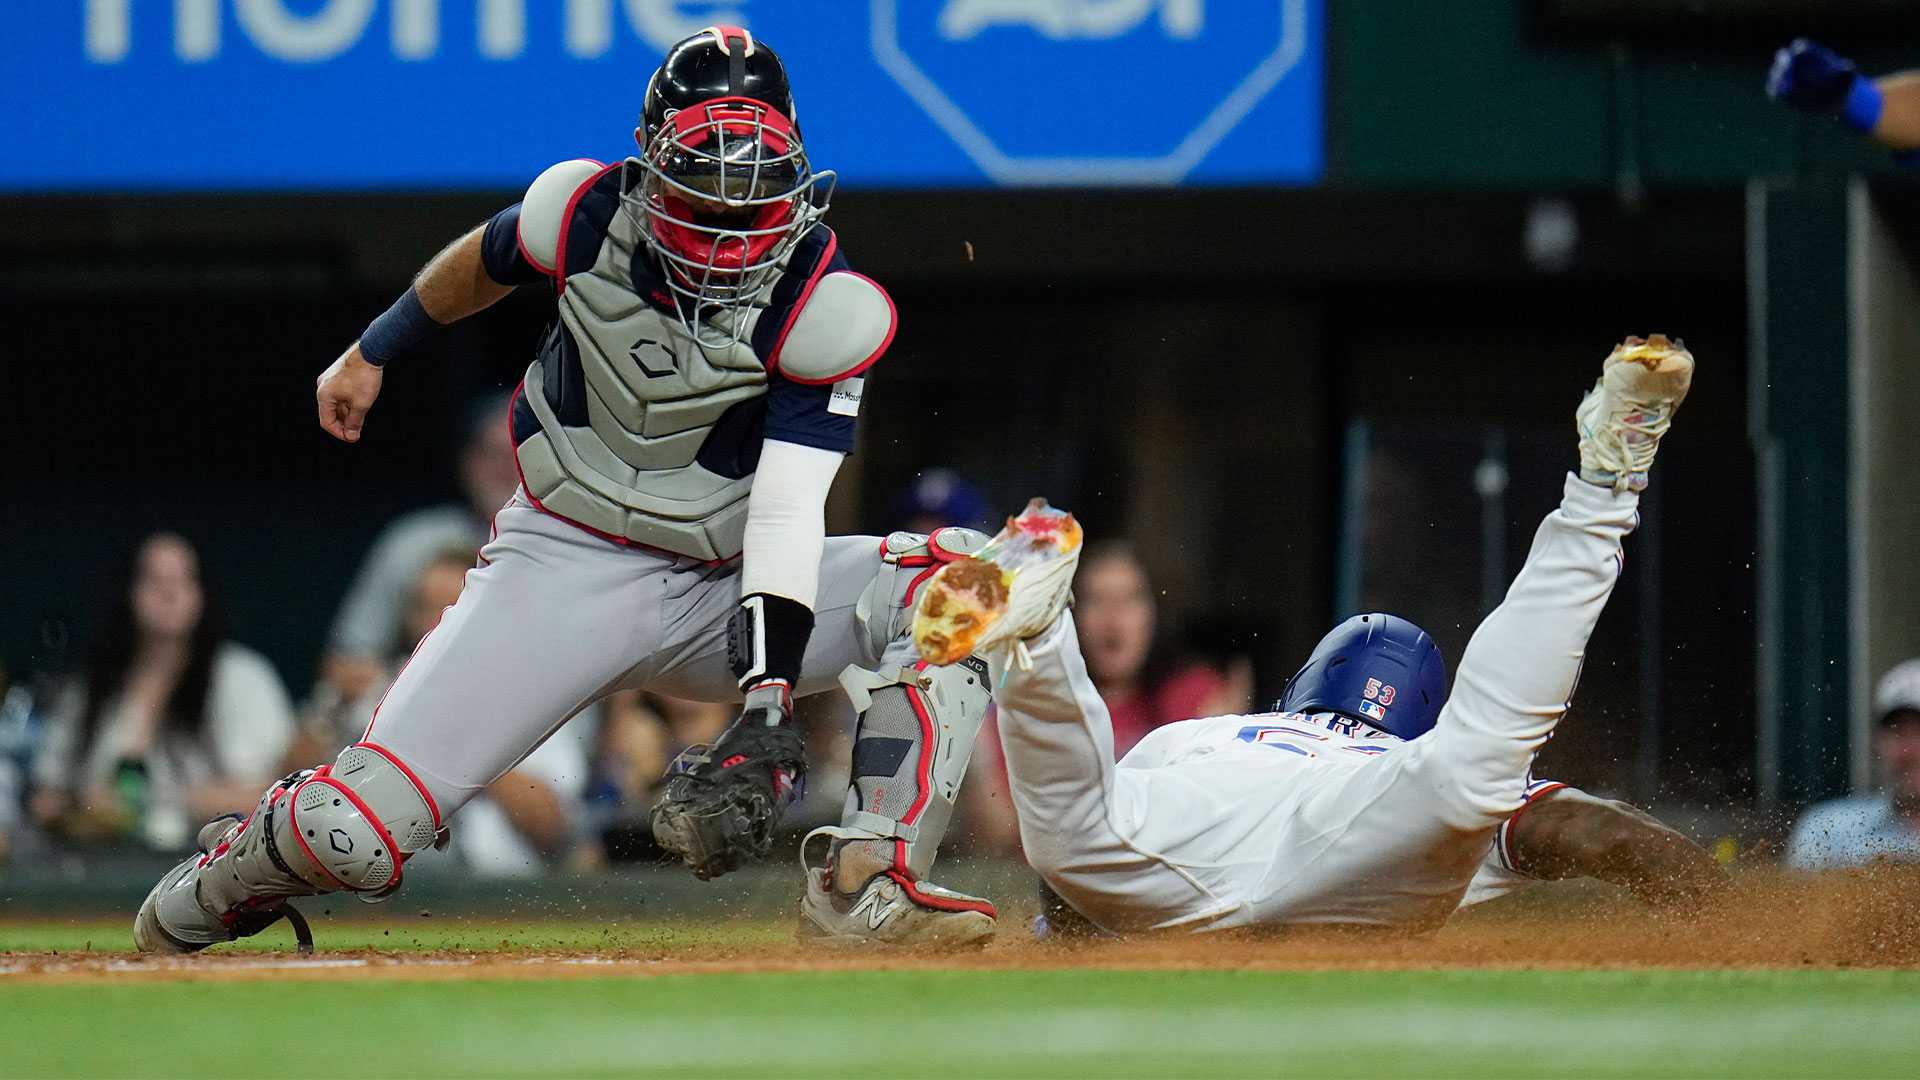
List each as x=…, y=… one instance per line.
x=1856, y=831
x=1127, y=659
x=372, y=617
x=938, y=498
x=529, y=816
x=331, y=719
x=170, y=725
x=16, y=740
x=642, y=733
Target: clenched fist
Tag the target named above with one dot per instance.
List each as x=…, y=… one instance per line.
x=345, y=391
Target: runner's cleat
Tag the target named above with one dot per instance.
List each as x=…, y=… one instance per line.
x=1012, y=589
x=1623, y=417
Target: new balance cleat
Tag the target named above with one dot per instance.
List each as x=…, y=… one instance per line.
x=1012, y=589
x=892, y=909
x=1623, y=417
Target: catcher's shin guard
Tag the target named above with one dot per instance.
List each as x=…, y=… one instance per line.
x=916, y=733
x=917, y=730
x=344, y=827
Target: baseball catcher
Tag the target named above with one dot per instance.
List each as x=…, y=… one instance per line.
x=676, y=432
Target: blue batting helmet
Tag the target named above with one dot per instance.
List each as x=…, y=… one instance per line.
x=1377, y=668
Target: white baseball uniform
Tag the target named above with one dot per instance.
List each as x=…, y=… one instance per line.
x=1283, y=819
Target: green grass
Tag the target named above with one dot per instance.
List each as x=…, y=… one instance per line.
x=981, y=1023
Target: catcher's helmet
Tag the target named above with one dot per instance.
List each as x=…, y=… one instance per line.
x=1377, y=668
x=722, y=188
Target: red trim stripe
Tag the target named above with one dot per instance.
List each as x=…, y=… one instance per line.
x=800, y=302
x=933, y=543
x=941, y=903
x=521, y=242
x=919, y=580
x=432, y=807
x=293, y=819
x=585, y=528
x=379, y=830
x=1505, y=837
x=924, y=774
x=893, y=325
x=411, y=657
x=559, y=271
x=724, y=33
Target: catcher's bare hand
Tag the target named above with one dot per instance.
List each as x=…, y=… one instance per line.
x=345, y=391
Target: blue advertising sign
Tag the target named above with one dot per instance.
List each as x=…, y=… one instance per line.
x=171, y=95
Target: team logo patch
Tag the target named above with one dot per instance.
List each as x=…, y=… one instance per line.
x=1372, y=710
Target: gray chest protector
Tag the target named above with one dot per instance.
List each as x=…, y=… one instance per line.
x=653, y=396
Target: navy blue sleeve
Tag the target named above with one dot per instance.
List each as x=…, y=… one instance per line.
x=802, y=414
x=500, y=250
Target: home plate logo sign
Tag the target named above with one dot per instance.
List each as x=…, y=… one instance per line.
x=1138, y=92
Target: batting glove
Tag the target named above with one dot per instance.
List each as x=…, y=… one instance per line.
x=1808, y=75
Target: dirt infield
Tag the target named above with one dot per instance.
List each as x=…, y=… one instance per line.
x=1869, y=919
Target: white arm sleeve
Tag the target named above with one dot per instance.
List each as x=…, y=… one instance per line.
x=787, y=521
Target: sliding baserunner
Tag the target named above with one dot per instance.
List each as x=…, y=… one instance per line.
x=1311, y=816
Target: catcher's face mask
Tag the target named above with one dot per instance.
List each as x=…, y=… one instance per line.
x=722, y=191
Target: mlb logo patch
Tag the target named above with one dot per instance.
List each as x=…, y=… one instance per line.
x=1372, y=710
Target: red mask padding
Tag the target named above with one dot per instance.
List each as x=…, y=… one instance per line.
x=739, y=116
x=727, y=252
x=726, y=249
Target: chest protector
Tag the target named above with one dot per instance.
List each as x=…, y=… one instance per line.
x=652, y=399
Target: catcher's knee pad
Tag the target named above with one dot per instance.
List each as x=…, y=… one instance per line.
x=916, y=732
x=380, y=790
x=907, y=560
x=348, y=826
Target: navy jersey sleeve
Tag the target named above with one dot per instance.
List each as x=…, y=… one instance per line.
x=817, y=416
x=500, y=250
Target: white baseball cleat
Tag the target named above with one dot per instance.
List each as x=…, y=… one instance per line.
x=1623, y=417
x=892, y=910
x=1012, y=589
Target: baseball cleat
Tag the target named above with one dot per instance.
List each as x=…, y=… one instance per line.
x=1623, y=417
x=173, y=920
x=892, y=910
x=1012, y=589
